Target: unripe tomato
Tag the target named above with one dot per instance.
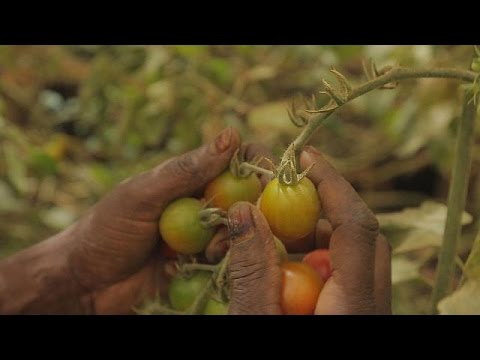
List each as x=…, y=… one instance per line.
x=213, y=307
x=292, y=211
x=181, y=228
x=281, y=251
x=476, y=64
x=301, y=286
x=227, y=189
x=320, y=261
x=183, y=291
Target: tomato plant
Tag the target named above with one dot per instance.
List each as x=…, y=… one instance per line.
x=183, y=290
x=320, y=261
x=227, y=189
x=292, y=211
x=301, y=286
x=181, y=228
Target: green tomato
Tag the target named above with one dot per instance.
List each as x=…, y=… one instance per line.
x=181, y=228
x=214, y=307
x=476, y=65
x=281, y=250
x=183, y=291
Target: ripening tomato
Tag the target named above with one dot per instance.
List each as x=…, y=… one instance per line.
x=320, y=261
x=183, y=290
x=213, y=307
x=292, y=211
x=227, y=189
x=181, y=228
x=301, y=286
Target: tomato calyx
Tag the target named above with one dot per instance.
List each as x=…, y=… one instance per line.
x=238, y=159
x=287, y=170
x=212, y=217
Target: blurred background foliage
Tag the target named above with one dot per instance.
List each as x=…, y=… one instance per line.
x=76, y=120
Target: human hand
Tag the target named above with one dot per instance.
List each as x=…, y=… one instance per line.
x=360, y=256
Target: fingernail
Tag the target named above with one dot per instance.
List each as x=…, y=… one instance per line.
x=240, y=220
x=223, y=140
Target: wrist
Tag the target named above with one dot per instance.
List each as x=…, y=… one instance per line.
x=39, y=280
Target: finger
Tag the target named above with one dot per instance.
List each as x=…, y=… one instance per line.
x=355, y=228
x=383, y=276
x=218, y=246
x=254, y=270
x=319, y=239
x=179, y=176
x=254, y=150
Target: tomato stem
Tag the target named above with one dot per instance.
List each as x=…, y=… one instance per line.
x=202, y=267
x=257, y=169
x=377, y=79
x=457, y=194
x=201, y=299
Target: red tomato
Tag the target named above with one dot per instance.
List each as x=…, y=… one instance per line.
x=301, y=286
x=320, y=261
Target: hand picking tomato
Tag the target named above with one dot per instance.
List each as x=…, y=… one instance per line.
x=301, y=286
x=181, y=228
x=227, y=189
x=320, y=261
x=183, y=291
x=292, y=211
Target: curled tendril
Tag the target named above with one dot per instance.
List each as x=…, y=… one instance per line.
x=296, y=117
x=372, y=72
x=287, y=170
x=338, y=96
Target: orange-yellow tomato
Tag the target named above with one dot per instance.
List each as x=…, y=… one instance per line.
x=227, y=189
x=301, y=286
x=291, y=211
x=181, y=228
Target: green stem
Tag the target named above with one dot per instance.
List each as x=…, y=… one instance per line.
x=200, y=301
x=456, y=203
x=200, y=267
x=257, y=169
x=393, y=75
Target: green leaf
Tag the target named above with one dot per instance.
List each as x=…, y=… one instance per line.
x=418, y=239
x=404, y=269
x=430, y=215
x=57, y=218
x=464, y=301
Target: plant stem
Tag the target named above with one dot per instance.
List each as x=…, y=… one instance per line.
x=393, y=75
x=201, y=267
x=257, y=169
x=201, y=299
x=456, y=202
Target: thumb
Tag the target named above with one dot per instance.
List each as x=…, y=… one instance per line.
x=147, y=194
x=254, y=270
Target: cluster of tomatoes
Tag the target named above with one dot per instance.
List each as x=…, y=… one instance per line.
x=291, y=210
